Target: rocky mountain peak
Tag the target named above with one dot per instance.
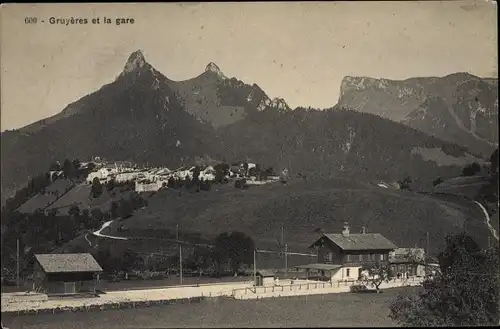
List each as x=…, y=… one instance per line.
x=212, y=67
x=135, y=61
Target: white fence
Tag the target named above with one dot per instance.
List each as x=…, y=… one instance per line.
x=304, y=287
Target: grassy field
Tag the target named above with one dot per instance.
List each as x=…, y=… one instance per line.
x=335, y=310
x=43, y=200
x=303, y=208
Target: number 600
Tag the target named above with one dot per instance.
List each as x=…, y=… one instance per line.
x=30, y=20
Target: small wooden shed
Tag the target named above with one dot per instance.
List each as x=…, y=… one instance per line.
x=57, y=274
x=265, y=278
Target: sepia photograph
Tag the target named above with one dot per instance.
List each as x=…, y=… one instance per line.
x=249, y=164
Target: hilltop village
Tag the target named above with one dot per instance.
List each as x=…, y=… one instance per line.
x=153, y=179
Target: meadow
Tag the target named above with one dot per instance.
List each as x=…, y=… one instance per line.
x=335, y=310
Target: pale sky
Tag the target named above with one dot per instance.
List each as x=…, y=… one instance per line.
x=297, y=51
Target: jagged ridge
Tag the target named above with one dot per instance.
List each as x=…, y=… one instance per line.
x=459, y=108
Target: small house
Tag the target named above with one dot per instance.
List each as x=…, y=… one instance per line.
x=408, y=262
x=57, y=274
x=264, y=278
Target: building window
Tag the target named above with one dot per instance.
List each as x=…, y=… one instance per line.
x=328, y=257
x=348, y=258
x=382, y=257
x=360, y=257
x=348, y=272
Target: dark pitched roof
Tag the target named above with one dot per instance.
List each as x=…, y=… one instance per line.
x=265, y=273
x=57, y=263
x=326, y=267
x=363, y=241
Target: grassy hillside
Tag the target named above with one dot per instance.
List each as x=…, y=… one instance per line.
x=303, y=208
x=338, y=142
x=48, y=197
x=80, y=196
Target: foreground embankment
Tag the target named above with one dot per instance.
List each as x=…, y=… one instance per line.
x=328, y=310
x=104, y=307
x=39, y=303
x=32, y=303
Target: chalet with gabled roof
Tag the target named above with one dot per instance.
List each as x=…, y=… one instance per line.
x=342, y=256
x=57, y=274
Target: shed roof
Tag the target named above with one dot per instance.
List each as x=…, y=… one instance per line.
x=265, y=273
x=324, y=267
x=359, y=241
x=67, y=263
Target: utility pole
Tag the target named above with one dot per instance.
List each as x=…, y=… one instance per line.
x=255, y=269
x=177, y=232
x=17, y=276
x=180, y=262
x=427, y=251
x=282, y=238
x=286, y=260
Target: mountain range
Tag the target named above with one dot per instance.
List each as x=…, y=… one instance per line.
x=145, y=117
x=460, y=108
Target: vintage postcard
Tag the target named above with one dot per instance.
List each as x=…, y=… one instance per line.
x=249, y=164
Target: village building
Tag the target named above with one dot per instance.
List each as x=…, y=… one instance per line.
x=342, y=257
x=407, y=262
x=103, y=174
x=265, y=278
x=126, y=176
x=147, y=186
x=57, y=274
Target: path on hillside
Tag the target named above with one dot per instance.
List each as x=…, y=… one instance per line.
x=487, y=220
x=108, y=223
x=87, y=239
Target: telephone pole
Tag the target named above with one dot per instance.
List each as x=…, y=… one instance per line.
x=17, y=275
x=286, y=260
x=180, y=262
x=255, y=268
x=177, y=232
x=427, y=236
x=282, y=238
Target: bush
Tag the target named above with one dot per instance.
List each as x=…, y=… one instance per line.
x=358, y=288
x=471, y=169
x=150, y=275
x=240, y=183
x=437, y=181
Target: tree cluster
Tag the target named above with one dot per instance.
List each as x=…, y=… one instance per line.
x=465, y=292
x=405, y=183
x=191, y=184
x=40, y=232
x=235, y=248
x=72, y=169
x=471, y=169
x=125, y=207
x=36, y=185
